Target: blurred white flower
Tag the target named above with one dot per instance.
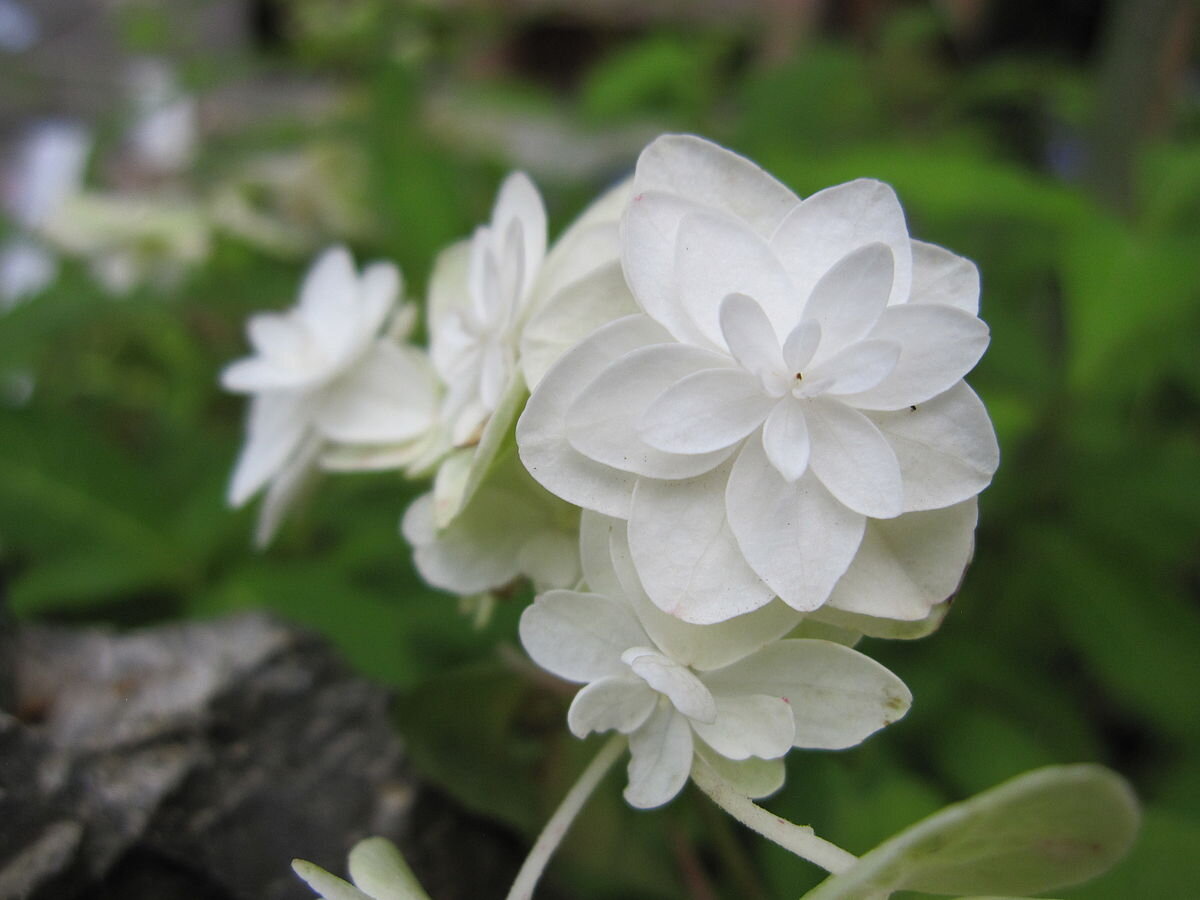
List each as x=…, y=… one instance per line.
x=475, y=333
x=324, y=372
x=19, y=30
x=377, y=869
x=46, y=172
x=786, y=415
x=734, y=693
x=162, y=136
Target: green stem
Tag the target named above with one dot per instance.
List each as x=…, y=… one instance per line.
x=799, y=839
x=556, y=828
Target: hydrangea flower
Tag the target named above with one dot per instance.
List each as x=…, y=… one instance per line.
x=785, y=416
x=732, y=693
x=323, y=373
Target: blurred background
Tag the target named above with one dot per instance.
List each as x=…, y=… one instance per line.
x=170, y=167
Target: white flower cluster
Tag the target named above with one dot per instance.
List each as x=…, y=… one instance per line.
x=722, y=429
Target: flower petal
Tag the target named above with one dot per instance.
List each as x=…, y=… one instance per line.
x=849, y=298
x=603, y=421
x=617, y=702
x=686, y=692
x=379, y=287
x=579, y=637
x=801, y=345
x=837, y=696
x=685, y=553
x=519, y=201
x=296, y=476
x=660, y=758
x=785, y=438
x=855, y=369
x=749, y=725
x=570, y=315
x=390, y=396
x=749, y=336
x=839, y=220
x=712, y=176
x=329, y=300
x=938, y=346
x=699, y=646
x=275, y=427
x=751, y=777
x=704, y=412
x=329, y=887
x=853, y=460
x=595, y=555
x=649, y=230
x=542, y=430
x=946, y=448
x=909, y=564
x=944, y=278
x=715, y=256
x=796, y=536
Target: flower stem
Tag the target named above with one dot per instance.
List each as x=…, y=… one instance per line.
x=556, y=828
x=799, y=839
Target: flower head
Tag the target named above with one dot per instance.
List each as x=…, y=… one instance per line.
x=786, y=412
x=733, y=693
x=323, y=372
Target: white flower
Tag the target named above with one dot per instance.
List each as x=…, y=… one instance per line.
x=733, y=693
x=323, y=373
x=786, y=415
x=377, y=869
x=163, y=134
x=475, y=327
x=512, y=527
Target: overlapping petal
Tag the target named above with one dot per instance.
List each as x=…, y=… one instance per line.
x=660, y=758
x=616, y=702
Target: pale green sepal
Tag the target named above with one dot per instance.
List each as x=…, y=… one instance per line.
x=329, y=887
x=1046, y=829
x=463, y=471
x=752, y=777
x=378, y=868
x=826, y=631
x=872, y=626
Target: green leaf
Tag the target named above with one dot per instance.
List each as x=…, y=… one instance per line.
x=1049, y=828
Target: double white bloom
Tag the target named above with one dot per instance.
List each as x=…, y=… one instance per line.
x=785, y=416
x=732, y=693
x=324, y=372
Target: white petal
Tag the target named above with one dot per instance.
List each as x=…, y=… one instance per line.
x=944, y=278
x=796, y=536
x=379, y=869
x=699, y=646
x=660, y=758
x=686, y=692
x=857, y=368
x=716, y=256
x=390, y=396
x=749, y=336
x=328, y=302
x=704, y=412
x=853, y=460
x=649, y=230
x=837, y=696
x=801, y=345
x=685, y=553
x=938, y=346
x=275, y=427
x=26, y=268
x=447, y=295
x=909, y=564
x=849, y=298
x=417, y=526
x=542, y=432
x=946, y=448
x=570, y=315
x=579, y=637
x=330, y=887
x=255, y=374
x=618, y=703
x=519, y=201
x=595, y=556
x=710, y=175
x=495, y=366
x=279, y=337
x=785, y=438
x=49, y=169
x=285, y=488
x=840, y=220
x=749, y=725
x=751, y=777
x=603, y=421
x=550, y=559
x=832, y=624
x=379, y=287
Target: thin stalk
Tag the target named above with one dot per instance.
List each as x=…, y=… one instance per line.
x=560, y=822
x=799, y=839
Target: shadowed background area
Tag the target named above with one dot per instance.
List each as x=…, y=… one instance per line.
x=1056, y=144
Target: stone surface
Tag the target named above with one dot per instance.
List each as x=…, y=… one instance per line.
x=196, y=760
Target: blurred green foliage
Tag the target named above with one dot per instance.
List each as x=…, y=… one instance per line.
x=1075, y=636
